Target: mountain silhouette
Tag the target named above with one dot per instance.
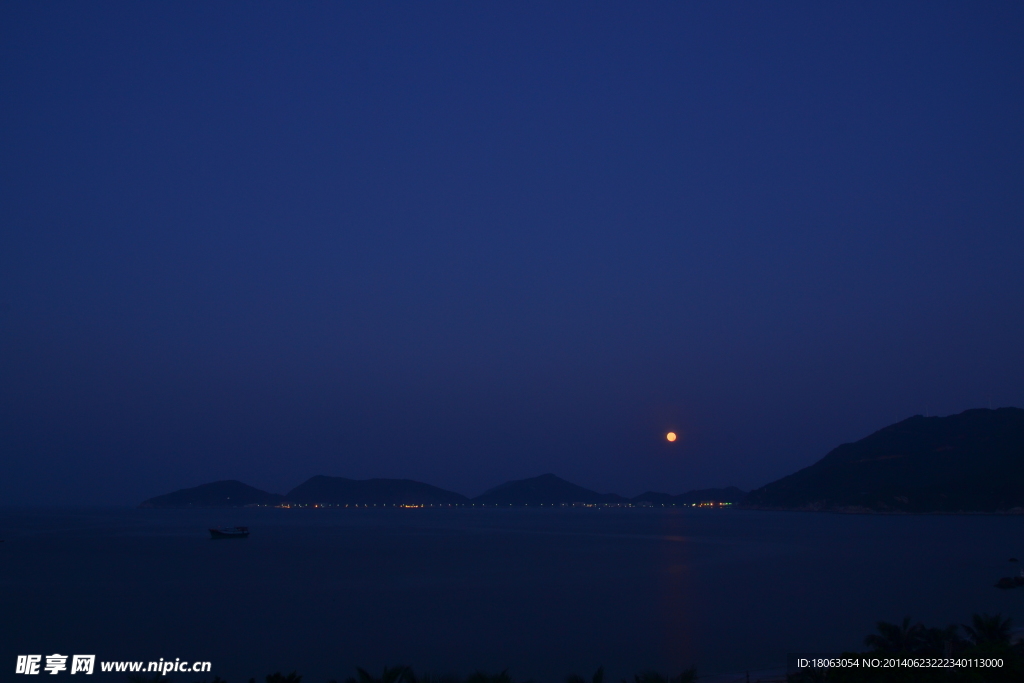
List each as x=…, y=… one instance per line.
x=218, y=494
x=730, y=494
x=970, y=462
x=547, y=489
x=342, y=491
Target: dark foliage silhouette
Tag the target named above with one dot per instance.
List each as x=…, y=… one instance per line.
x=281, y=678
x=598, y=677
x=896, y=638
x=687, y=676
x=987, y=629
x=395, y=674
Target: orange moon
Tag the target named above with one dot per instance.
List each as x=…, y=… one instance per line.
x=671, y=436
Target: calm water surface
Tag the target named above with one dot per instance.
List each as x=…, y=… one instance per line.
x=540, y=592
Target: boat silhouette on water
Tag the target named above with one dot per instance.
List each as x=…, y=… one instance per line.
x=230, y=532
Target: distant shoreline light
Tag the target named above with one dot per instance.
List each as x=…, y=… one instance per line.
x=417, y=506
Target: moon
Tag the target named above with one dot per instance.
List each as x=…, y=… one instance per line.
x=671, y=436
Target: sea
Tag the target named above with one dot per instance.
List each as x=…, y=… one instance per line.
x=538, y=592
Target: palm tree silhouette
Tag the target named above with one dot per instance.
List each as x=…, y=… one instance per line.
x=432, y=678
x=481, y=677
x=396, y=674
x=989, y=629
x=281, y=678
x=893, y=638
x=687, y=676
x=940, y=642
x=597, y=678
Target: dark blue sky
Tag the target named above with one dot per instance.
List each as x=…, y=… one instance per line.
x=470, y=242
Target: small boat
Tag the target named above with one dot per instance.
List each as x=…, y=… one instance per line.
x=230, y=532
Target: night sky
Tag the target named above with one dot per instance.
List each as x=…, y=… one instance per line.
x=471, y=242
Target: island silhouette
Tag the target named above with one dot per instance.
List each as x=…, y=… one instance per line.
x=546, y=489
x=969, y=462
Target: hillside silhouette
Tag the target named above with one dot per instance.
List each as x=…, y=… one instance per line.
x=729, y=494
x=547, y=489
x=227, y=493
x=341, y=491
x=970, y=462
